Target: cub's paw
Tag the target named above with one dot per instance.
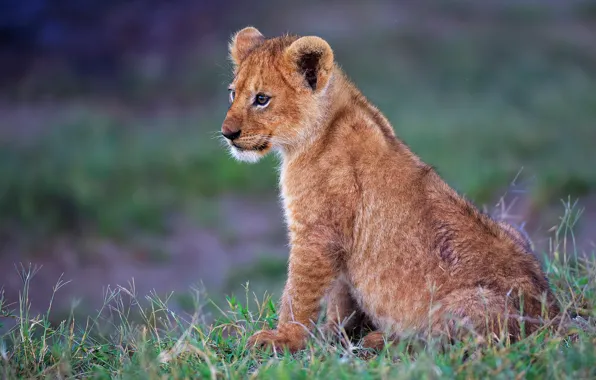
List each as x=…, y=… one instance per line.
x=280, y=339
x=374, y=340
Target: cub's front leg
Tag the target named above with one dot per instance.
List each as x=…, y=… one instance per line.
x=311, y=271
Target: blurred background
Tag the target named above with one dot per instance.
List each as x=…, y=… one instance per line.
x=110, y=168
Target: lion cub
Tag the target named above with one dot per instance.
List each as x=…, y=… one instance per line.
x=371, y=227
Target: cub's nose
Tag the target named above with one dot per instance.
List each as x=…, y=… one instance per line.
x=229, y=133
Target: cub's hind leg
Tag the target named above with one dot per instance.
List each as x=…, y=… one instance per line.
x=483, y=312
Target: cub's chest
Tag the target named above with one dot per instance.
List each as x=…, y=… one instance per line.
x=300, y=204
x=304, y=195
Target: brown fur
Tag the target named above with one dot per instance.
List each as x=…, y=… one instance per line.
x=371, y=227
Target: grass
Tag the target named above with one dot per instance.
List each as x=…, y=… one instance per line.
x=143, y=337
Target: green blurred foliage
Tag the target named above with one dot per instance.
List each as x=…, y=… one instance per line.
x=101, y=174
x=478, y=97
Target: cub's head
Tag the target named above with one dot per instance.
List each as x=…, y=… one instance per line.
x=275, y=97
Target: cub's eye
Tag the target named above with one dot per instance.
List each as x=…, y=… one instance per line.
x=232, y=94
x=262, y=99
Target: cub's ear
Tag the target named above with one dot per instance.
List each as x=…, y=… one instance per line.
x=313, y=58
x=243, y=42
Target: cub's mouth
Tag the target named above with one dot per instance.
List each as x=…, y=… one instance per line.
x=249, y=152
x=254, y=143
x=259, y=147
x=250, y=148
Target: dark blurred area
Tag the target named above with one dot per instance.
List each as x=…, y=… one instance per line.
x=98, y=42
x=110, y=166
